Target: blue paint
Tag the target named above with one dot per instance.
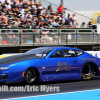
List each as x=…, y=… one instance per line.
x=85, y=95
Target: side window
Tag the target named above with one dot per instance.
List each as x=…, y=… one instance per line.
x=63, y=53
x=78, y=53
x=71, y=53
x=59, y=54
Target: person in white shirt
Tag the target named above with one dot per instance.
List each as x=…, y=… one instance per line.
x=8, y=6
x=43, y=10
x=74, y=21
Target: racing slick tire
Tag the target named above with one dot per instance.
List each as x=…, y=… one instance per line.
x=87, y=72
x=30, y=76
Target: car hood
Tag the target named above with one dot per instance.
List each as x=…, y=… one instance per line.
x=18, y=58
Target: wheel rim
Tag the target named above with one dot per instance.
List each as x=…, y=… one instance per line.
x=30, y=75
x=87, y=72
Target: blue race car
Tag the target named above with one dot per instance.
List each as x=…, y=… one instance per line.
x=49, y=64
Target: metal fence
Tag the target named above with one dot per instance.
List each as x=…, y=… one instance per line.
x=49, y=37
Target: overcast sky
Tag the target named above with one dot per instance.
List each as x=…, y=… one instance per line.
x=79, y=4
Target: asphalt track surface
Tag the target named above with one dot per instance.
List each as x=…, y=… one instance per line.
x=65, y=86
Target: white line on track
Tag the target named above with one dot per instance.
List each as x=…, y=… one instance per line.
x=50, y=94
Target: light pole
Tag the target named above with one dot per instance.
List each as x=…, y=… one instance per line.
x=62, y=2
x=64, y=9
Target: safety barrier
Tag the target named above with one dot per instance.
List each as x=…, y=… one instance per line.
x=48, y=37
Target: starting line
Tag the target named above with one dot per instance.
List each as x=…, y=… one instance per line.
x=78, y=95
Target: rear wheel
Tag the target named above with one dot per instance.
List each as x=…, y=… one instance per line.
x=87, y=72
x=30, y=76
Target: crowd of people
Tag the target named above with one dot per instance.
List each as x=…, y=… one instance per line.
x=32, y=15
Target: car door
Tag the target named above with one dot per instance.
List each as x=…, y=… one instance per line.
x=63, y=63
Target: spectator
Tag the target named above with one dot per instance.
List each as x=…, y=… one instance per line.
x=49, y=9
x=4, y=23
x=9, y=33
x=5, y=18
x=74, y=20
x=60, y=9
x=45, y=37
x=43, y=10
x=20, y=3
x=40, y=22
x=36, y=36
x=5, y=11
x=32, y=11
x=24, y=37
x=40, y=5
x=21, y=10
x=35, y=3
x=68, y=18
x=10, y=16
x=56, y=23
x=38, y=11
x=67, y=24
x=8, y=6
x=22, y=24
x=16, y=22
x=89, y=25
x=20, y=13
x=50, y=24
x=30, y=2
x=83, y=25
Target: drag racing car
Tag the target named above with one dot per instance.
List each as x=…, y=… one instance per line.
x=49, y=64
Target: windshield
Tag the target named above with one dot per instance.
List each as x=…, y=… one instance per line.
x=40, y=52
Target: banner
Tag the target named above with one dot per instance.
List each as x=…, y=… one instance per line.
x=96, y=18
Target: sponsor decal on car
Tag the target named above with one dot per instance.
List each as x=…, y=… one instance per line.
x=63, y=66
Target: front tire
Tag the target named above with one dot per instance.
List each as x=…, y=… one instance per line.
x=30, y=76
x=87, y=72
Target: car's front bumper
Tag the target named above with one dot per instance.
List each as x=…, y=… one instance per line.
x=8, y=76
x=3, y=76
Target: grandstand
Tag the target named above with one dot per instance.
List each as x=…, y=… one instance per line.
x=27, y=24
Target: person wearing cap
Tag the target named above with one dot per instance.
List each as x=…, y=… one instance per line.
x=40, y=22
x=60, y=9
x=67, y=24
x=10, y=35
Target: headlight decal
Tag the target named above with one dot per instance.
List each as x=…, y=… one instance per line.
x=4, y=68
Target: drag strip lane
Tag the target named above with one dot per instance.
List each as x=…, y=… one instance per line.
x=66, y=86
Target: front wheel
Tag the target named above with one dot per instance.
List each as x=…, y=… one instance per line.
x=87, y=72
x=30, y=76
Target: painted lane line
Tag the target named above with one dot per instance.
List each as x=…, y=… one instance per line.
x=52, y=94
